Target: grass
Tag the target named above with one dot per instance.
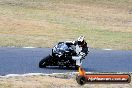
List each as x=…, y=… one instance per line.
x=43, y=23
x=51, y=82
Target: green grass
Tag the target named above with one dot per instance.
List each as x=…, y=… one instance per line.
x=43, y=23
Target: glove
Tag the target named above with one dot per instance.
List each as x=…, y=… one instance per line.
x=82, y=54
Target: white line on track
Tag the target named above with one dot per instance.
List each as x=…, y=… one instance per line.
x=52, y=74
x=34, y=74
x=22, y=75
x=107, y=49
x=29, y=47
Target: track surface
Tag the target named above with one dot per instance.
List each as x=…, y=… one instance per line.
x=25, y=60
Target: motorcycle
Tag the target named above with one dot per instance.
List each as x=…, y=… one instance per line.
x=61, y=56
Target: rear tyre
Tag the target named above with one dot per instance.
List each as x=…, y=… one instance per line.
x=44, y=62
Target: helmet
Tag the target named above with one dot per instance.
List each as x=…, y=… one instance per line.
x=81, y=40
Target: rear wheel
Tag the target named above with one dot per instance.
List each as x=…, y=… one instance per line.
x=44, y=62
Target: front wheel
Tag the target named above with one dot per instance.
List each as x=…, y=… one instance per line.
x=44, y=62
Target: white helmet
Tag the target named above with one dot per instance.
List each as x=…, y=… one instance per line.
x=81, y=40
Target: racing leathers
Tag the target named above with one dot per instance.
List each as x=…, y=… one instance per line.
x=81, y=51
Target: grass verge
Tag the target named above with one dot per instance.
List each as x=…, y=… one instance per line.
x=51, y=82
x=43, y=23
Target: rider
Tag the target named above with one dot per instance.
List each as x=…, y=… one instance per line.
x=80, y=48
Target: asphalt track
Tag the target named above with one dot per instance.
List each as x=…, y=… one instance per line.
x=25, y=60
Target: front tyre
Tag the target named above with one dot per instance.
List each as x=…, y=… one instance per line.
x=44, y=62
